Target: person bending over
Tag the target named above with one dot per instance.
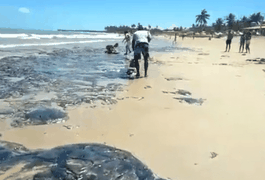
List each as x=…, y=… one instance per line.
x=140, y=44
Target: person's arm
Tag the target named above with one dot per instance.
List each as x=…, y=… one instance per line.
x=123, y=39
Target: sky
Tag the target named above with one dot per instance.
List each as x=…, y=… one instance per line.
x=97, y=14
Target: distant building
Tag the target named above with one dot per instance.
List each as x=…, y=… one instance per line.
x=260, y=28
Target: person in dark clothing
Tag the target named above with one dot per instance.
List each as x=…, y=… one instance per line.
x=111, y=49
x=242, y=42
x=248, y=37
x=229, y=40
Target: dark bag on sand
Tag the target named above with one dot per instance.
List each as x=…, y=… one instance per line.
x=132, y=63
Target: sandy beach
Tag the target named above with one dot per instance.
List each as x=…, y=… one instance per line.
x=198, y=115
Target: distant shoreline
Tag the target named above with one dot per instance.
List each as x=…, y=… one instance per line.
x=80, y=30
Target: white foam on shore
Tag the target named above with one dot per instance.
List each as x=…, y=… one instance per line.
x=47, y=44
x=12, y=35
x=55, y=36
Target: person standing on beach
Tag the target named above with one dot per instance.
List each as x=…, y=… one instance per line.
x=183, y=36
x=175, y=40
x=229, y=40
x=140, y=44
x=248, y=37
x=127, y=40
x=242, y=42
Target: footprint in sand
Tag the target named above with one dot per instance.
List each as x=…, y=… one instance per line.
x=139, y=98
x=147, y=87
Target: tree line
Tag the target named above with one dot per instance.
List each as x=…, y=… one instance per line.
x=228, y=22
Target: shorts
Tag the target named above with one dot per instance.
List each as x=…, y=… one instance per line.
x=248, y=42
x=141, y=48
x=228, y=41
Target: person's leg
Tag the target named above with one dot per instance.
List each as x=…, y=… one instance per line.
x=243, y=47
x=129, y=48
x=137, y=56
x=126, y=50
x=146, y=56
x=247, y=48
x=146, y=64
x=229, y=45
x=240, y=47
x=226, y=46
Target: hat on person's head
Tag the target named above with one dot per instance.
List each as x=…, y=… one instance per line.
x=125, y=32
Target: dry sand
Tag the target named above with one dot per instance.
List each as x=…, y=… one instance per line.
x=178, y=140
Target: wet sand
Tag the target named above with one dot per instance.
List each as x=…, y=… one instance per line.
x=221, y=137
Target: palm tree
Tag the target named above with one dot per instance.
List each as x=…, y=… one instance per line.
x=230, y=19
x=149, y=26
x=219, y=22
x=133, y=25
x=256, y=17
x=244, y=19
x=202, y=18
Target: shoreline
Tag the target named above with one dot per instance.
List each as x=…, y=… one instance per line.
x=173, y=138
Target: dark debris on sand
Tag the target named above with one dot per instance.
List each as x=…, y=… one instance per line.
x=39, y=116
x=23, y=77
x=72, y=162
x=185, y=96
x=180, y=91
x=191, y=100
x=257, y=60
x=174, y=79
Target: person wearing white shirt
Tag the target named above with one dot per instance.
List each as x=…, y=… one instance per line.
x=140, y=44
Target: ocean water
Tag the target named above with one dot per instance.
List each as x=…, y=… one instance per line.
x=70, y=55
x=71, y=68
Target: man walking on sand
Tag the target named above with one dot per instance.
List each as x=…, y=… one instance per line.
x=140, y=44
x=229, y=40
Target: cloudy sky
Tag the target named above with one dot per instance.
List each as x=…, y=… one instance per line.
x=96, y=14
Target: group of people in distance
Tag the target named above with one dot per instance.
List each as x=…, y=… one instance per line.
x=244, y=39
x=140, y=45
